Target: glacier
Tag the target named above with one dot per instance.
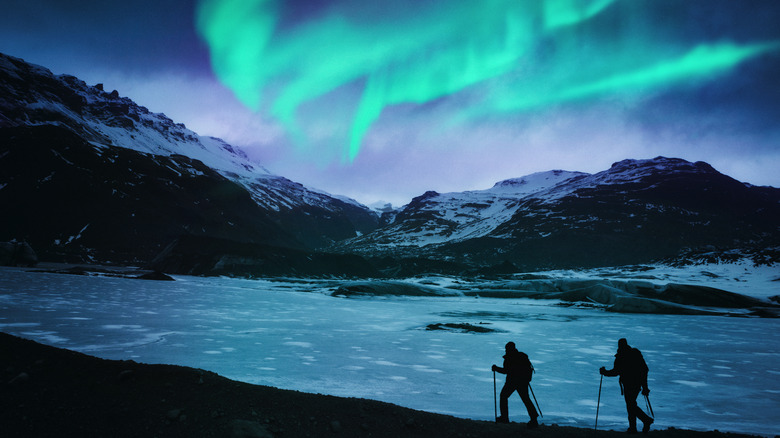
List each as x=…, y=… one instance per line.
x=706, y=372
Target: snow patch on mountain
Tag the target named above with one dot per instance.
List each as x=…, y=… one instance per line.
x=106, y=119
x=742, y=276
x=623, y=172
x=435, y=218
x=653, y=200
x=536, y=182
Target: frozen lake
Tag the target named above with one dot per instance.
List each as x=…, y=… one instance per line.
x=706, y=372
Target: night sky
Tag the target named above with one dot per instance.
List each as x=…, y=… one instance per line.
x=385, y=100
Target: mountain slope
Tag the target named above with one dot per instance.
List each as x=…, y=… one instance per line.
x=87, y=174
x=85, y=156
x=437, y=218
x=635, y=212
x=117, y=205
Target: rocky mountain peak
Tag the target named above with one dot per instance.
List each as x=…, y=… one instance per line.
x=70, y=144
x=640, y=168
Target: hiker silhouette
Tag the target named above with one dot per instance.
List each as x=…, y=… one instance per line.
x=632, y=369
x=518, y=370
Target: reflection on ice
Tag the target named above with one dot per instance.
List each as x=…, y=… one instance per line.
x=589, y=403
x=720, y=414
x=599, y=350
x=691, y=384
x=353, y=368
x=425, y=369
x=295, y=335
x=18, y=325
x=45, y=337
x=299, y=344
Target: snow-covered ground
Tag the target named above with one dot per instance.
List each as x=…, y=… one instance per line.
x=706, y=373
x=742, y=278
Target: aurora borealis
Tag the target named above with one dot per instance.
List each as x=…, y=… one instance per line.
x=513, y=55
x=380, y=100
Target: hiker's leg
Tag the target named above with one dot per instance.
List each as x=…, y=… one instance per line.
x=503, y=403
x=639, y=413
x=631, y=392
x=529, y=406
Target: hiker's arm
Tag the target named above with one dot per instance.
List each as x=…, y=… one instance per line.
x=498, y=369
x=615, y=371
x=609, y=373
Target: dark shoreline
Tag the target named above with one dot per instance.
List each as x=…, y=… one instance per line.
x=52, y=392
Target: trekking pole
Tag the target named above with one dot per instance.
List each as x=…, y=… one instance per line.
x=495, y=409
x=598, y=403
x=649, y=406
x=534, y=396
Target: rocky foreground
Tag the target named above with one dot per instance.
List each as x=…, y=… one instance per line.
x=51, y=392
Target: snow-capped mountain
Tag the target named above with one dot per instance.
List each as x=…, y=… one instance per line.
x=87, y=173
x=450, y=217
x=56, y=125
x=637, y=211
x=33, y=96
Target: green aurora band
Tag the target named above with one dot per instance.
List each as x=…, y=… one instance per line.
x=503, y=56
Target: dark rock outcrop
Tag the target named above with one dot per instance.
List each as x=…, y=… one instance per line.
x=118, y=205
x=201, y=255
x=17, y=254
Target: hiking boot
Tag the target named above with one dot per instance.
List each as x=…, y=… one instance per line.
x=533, y=424
x=646, y=426
x=502, y=420
x=631, y=429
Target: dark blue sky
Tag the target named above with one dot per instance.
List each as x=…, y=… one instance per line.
x=142, y=36
x=467, y=138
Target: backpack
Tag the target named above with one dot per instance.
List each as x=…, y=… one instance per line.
x=636, y=367
x=526, y=366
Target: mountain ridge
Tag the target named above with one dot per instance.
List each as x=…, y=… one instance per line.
x=124, y=183
x=669, y=205
x=34, y=103
x=105, y=118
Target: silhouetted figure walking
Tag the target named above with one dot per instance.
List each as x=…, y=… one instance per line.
x=632, y=369
x=518, y=370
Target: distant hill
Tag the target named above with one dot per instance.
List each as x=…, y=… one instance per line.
x=637, y=211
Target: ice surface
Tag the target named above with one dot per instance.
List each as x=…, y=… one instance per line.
x=706, y=372
x=743, y=278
